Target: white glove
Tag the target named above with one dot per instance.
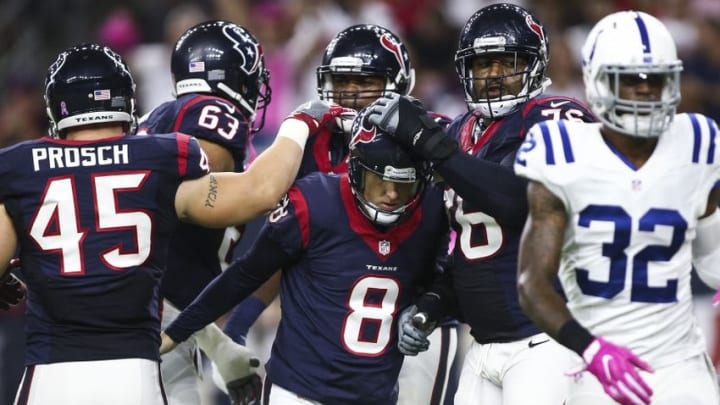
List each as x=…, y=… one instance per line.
x=232, y=360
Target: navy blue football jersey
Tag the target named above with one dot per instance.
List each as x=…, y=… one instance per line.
x=326, y=151
x=193, y=256
x=94, y=219
x=484, y=270
x=205, y=117
x=344, y=284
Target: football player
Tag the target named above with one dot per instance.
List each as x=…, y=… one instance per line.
x=501, y=61
x=355, y=248
x=221, y=84
x=622, y=211
x=360, y=64
x=92, y=211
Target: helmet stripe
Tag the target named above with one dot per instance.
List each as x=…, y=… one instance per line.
x=644, y=38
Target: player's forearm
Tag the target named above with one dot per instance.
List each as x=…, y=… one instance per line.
x=265, y=182
x=488, y=186
x=440, y=301
x=546, y=308
x=218, y=200
x=249, y=310
x=540, y=302
x=223, y=293
x=537, y=272
x=273, y=171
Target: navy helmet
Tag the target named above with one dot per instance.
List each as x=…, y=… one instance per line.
x=372, y=151
x=224, y=59
x=89, y=84
x=370, y=50
x=503, y=28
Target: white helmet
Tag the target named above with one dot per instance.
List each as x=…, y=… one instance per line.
x=631, y=43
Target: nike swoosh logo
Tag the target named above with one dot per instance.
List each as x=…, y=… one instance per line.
x=605, y=360
x=556, y=104
x=532, y=344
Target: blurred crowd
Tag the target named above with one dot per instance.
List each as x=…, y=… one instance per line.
x=293, y=34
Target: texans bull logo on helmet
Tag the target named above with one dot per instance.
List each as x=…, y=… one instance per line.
x=251, y=48
x=391, y=45
x=361, y=134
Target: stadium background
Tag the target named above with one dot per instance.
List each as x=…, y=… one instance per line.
x=293, y=34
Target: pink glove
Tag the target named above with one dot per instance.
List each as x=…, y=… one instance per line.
x=716, y=298
x=615, y=368
x=318, y=113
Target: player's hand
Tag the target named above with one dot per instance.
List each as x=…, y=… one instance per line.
x=616, y=369
x=413, y=332
x=236, y=365
x=247, y=390
x=318, y=114
x=166, y=343
x=405, y=119
x=243, y=391
x=12, y=290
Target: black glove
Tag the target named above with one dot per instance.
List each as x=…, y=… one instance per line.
x=245, y=391
x=407, y=121
x=12, y=290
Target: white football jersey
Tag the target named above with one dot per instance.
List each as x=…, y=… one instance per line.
x=626, y=258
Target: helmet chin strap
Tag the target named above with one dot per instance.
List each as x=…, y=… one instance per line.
x=380, y=217
x=239, y=98
x=650, y=126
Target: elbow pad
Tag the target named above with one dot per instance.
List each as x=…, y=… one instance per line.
x=706, y=249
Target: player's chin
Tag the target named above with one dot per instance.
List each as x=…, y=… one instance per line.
x=388, y=207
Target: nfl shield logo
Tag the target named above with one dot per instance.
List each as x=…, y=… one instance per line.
x=384, y=247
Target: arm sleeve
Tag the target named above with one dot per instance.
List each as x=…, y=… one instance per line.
x=706, y=250
x=243, y=317
x=238, y=281
x=440, y=301
x=488, y=186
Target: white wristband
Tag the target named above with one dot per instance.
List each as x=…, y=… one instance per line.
x=296, y=130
